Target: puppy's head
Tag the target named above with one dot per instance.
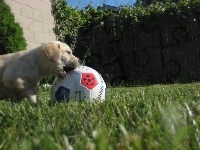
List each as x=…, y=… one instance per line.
x=67, y=58
x=60, y=54
x=51, y=51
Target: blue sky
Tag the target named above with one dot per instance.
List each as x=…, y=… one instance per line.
x=83, y=3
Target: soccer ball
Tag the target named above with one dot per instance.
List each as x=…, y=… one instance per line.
x=82, y=83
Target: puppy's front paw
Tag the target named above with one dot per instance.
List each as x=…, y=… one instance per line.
x=62, y=74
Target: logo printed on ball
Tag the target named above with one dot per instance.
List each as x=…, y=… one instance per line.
x=88, y=80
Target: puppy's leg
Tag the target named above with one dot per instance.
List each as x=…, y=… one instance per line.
x=21, y=88
x=29, y=91
x=32, y=96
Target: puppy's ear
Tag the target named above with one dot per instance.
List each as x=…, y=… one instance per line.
x=51, y=51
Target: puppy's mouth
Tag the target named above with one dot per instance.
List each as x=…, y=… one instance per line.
x=68, y=69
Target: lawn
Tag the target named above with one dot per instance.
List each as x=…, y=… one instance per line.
x=152, y=117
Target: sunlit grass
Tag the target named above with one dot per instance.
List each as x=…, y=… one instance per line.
x=150, y=117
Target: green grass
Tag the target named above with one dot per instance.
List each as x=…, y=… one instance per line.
x=154, y=117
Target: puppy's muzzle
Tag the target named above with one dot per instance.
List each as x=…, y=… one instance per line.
x=72, y=64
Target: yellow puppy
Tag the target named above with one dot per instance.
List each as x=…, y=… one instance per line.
x=21, y=72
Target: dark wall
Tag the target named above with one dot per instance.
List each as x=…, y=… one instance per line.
x=159, y=49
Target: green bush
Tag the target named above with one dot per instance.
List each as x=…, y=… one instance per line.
x=11, y=34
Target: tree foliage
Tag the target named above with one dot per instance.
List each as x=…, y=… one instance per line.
x=150, y=2
x=67, y=20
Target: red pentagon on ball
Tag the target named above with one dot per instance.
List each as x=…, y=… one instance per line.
x=88, y=80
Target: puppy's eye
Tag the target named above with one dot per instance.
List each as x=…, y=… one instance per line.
x=68, y=52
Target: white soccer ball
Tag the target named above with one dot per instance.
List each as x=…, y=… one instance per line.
x=82, y=83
